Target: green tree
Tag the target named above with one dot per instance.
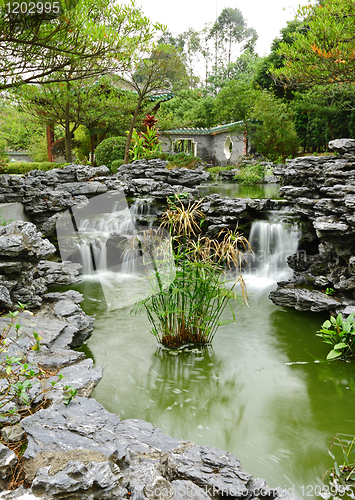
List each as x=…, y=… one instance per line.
x=323, y=53
x=263, y=77
x=18, y=130
x=73, y=103
x=93, y=36
x=274, y=133
x=152, y=72
x=230, y=30
x=190, y=43
x=189, y=108
x=235, y=103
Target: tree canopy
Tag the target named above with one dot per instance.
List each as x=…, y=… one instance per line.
x=323, y=50
x=92, y=36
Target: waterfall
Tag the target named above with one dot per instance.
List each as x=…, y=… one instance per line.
x=272, y=241
x=118, y=246
x=95, y=231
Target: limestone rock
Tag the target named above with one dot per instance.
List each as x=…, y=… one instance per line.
x=342, y=145
x=8, y=460
x=91, y=481
x=12, y=433
x=22, y=239
x=303, y=300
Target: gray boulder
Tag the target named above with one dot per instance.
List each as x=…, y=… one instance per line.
x=342, y=145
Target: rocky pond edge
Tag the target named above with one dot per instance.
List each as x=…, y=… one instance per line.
x=80, y=450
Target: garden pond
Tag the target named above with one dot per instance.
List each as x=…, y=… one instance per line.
x=263, y=391
x=229, y=189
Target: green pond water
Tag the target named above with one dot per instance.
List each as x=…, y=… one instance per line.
x=234, y=190
x=263, y=392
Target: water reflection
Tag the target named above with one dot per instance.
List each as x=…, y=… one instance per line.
x=194, y=390
x=248, y=395
x=227, y=189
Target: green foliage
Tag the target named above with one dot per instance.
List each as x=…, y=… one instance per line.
x=342, y=474
x=145, y=143
x=115, y=165
x=18, y=130
x=38, y=149
x=25, y=167
x=251, y=174
x=189, y=108
x=215, y=170
x=20, y=376
x=275, y=133
x=323, y=52
x=183, y=160
x=330, y=291
x=96, y=37
x=109, y=150
x=340, y=334
x=188, y=310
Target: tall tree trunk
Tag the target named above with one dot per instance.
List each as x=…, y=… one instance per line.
x=133, y=123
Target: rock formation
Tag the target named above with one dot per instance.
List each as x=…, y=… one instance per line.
x=321, y=191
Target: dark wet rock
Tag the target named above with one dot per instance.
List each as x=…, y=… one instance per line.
x=59, y=273
x=5, y=298
x=85, y=424
x=72, y=295
x=186, y=490
x=322, y=193
x=83, y=444
x=21, y=238
x=303, y=300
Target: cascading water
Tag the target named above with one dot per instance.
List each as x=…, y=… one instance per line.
x=117, y=246
x=92, y=251
x=272, y=241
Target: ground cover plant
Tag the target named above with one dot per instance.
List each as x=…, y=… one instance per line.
x=251, y=173
x=25, y=167
x=188, y=310
x=342, y=474
x=24, y=386
x=340, y=334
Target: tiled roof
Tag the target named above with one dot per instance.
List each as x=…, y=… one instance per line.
x=162, y=97
x=203, y=131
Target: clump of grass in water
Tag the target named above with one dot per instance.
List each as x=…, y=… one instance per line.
x=342, y=475
x=189, y=309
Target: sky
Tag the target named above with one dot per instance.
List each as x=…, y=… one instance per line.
x=266, y=16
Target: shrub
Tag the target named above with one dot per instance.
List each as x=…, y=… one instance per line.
x=188, y=310
x=183, y=160
x=109, y=150
x=115, y=165
x=25, y=167
x=215, y=170
x=339, y=333
x=251, y=174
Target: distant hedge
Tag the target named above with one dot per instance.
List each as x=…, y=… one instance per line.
x=22, y=167
x=109, y=150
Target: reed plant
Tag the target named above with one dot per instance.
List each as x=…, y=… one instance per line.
x=188, y=309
